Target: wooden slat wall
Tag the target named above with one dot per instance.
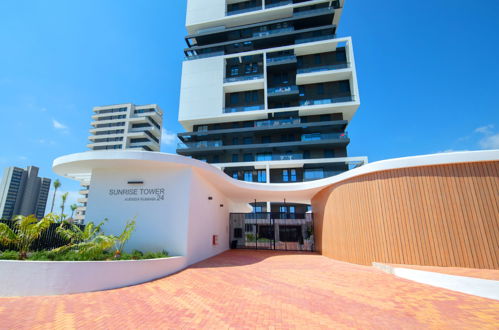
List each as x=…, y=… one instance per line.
x=444, y=215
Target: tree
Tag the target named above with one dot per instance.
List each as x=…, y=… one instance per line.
x=63, y=203
x=57, y=184
x=26, y=230
x=73, y=209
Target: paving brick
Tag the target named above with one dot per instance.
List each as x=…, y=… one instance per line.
x=259, y=290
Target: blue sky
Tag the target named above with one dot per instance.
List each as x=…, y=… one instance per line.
x=428, y=73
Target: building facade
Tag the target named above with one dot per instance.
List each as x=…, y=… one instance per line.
x=268, y=91
x=22, y=192
x=119, y=127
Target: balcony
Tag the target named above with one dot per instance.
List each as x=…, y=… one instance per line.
x=282, y=91
x=199, y=145
x=279, y=60
x=316, y=38
x=327, y=101
x=277, y=123
x=243, y=78
x=326, y=136
x=323, y=68
x=243, y=10
x=244, y=108
x=270, y=32
x=262, y=158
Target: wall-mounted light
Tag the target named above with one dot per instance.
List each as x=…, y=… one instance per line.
x=210, y=198
x=221, y=205
x=135, y=182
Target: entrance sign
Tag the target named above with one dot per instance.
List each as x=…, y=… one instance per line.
x=139, y=194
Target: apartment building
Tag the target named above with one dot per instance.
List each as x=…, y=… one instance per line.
x=22, y=192
x=268, y=91
x=119, y=127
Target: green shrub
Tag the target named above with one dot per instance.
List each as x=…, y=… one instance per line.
x=9, y=255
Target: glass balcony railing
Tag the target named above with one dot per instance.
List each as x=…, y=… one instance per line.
x=243, y=78
x=200, y=144
x=204, y=55
x=243, y=10
x=324, y=68
x=326, y=10
x=245, y=108
x=287, y=157
x=281, y=59
x=316, y=38
x=270, y=32
x=275, y=91
x=278, y=122
x=327, y=101
x=326, y=136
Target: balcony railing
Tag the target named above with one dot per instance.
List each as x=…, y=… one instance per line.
x=199, y=145
x=278, y=122
x=244, y=10
x=245, y=108
x=271, y=60
x=326, y=10
x=243, y=78
x=205, y=55
x=270, y=32
x=316, y=38
x=327, y=101
x=321, y=136
x=324, y=68
x=283, y=90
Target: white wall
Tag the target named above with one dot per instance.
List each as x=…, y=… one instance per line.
x=206, y=218
x=200, y=11
x=160, y=224
x=45, y=278
x=201, y=93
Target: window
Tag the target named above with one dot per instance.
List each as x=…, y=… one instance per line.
x=254, y=96
x=234, y=98
x=320, y=89
x=238, y=233
x=345, y=86
x=248, y=157
x=247, y=68
x=313, y=174
x=309, y=208
x=292, y=209
x=235, y=140
x=235, y=158
x=248, y=176
x=257, y=209
x=293, y=175
x=283, y=209
x=234, y=71
x=262, y=176
x=234, y=175
x=216, y=159
x=328, y=153
x=264, y=156
x=317, y=59
x=255, y=68
x=325, y=117
x=285, y=175
x=248, y=140
x=247, y=97
x=203, y=128
x=266, y=139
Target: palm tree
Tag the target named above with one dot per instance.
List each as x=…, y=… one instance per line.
x=63, y=203
x=57, y=184
x=73, y=209
x=26, y=230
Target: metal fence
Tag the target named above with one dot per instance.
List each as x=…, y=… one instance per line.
x=272, y=231
x=47, y=241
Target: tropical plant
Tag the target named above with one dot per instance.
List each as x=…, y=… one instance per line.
x=64, y=197
x=123, y=238
x=26, y=230
x=56, y=184
x=73, y=209
x=89, y=242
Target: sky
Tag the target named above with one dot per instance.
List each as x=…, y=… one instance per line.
x=428, y=74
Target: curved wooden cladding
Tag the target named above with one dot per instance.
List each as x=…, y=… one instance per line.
x=441, y=215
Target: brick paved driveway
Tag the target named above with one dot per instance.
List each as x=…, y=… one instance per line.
x=255, y=289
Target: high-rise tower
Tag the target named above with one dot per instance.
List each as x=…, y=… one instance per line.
x=268, y=90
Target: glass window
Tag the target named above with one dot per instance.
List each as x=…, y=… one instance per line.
x=216, y=159
x=325, y=117
x=247, y=68
x=262, y=176
x=291, y=209
x=293, y=175
x=283, y=209
x=248, y=176
x=248, y=157
x=235, y=140
x=264, y=156
x=235, y=158
x=285, y=176
x=266, y=139
x=320, y=89
x=247, y=97
x=234, y=175
x=258, y=209
x=234, y=71
x=313, y=174
x=248, y=140
x=317, y=59
x=254, y=96
x=201, y=128
x=234, y=98
x=328, y=153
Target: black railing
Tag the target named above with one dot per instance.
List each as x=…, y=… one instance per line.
x=49, y=239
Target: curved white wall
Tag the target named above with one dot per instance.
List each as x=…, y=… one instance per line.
x=46, y=278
